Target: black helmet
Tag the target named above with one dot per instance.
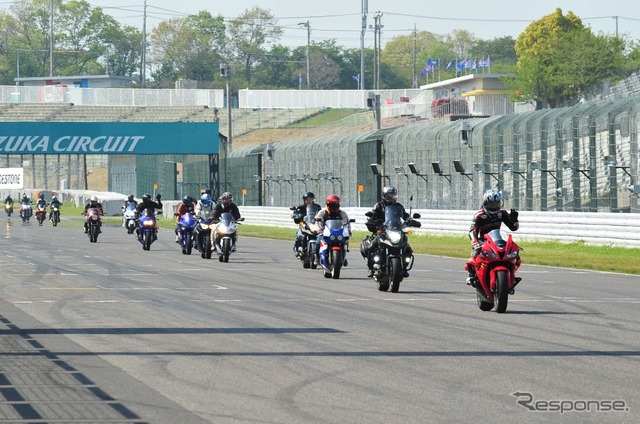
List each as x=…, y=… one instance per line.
x=146, y=197
x=130, y=198
x=390, y=194
x=41, y=196
x=187, y=200
x=308, y=195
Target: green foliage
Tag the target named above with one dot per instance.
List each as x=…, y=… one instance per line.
x=559, y=60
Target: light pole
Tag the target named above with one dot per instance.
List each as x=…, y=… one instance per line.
x=225, y=73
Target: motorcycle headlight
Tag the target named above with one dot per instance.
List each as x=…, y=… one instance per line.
x=489, y=254
x=204, y=226
x=340, y=237
x=512, y=255
x=332, y=237
x=148, y=223
x=394, y=236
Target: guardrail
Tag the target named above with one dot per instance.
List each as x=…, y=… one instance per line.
x=614, y=229
x=592, y=228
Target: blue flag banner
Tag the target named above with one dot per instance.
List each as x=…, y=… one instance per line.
x=356, y=77
x=451, y=64
x=433, y=62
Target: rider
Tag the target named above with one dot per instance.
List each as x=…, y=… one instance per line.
x=93, y=204
x=299, y=213
x=332, y=211
x=147, y=204
x=184, y=207
x=226, y=205
x=24, y=201
x=41, y=203
x=489, y=217
x=8, y=200
x=204, y=207
x=130, y=201
x=223, y=206
x=54, y=203
x=389, y=197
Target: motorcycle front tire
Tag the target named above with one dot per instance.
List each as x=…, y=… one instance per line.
x=395, y=274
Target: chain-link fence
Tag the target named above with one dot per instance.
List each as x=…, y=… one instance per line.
x=582, y=158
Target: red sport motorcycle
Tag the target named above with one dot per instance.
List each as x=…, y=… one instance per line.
x=495, y=268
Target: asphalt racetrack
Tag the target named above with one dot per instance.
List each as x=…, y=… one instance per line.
x=108, y=333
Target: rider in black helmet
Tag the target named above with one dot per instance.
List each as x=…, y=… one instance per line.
x=298, y=215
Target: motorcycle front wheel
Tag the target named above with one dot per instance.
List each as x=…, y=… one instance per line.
x=93, y=233
x=336, y=260
x=502, y=291
x=395, y=274
x=146, y=242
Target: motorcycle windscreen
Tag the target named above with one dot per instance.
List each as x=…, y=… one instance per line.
x=393, y=217
x=312, y=211
x=334, y=224
x=496, y=236
x=130, y=207
x=226, y=219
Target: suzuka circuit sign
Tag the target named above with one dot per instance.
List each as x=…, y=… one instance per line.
x=108, y=138
x=11, y=178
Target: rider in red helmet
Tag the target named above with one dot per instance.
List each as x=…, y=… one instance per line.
x=331, y=211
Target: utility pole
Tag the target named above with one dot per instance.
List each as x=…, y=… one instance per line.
x=143, y=66
x=377, y=40
x=365, y=10
x=308, y=26
x=51, y=38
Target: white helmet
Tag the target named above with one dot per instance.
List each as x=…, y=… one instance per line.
x=94, y=198
x=492, y=201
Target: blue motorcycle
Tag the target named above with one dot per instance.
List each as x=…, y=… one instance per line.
x=202, y=236
x=147, y=230
x=186, y=228
x=334, y=245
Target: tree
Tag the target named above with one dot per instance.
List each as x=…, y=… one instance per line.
x=190, y=48
x=559, y=60
x=249, y=35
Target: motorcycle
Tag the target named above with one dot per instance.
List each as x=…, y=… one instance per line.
x=186, y=228
x=130, y=218
x=306, y=226
x=495, y=268
x=225, y=235
x=93, y=224
x=147, y=231
x=387, y=247
x=333, y=248
x=202, y=236
x=25, y=211
x=41, y=213
x=8, y=208
x=55, y=215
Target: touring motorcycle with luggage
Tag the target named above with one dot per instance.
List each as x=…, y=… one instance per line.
x=309, y=231
x=388, y=247
x=495, y=267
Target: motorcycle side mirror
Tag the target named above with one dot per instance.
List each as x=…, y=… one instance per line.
x=159, y=213
x=352, y=220
x=416, y=215
x=292, y=208
x=240, y=219
x=369, y=214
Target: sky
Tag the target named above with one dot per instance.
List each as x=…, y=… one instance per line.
x=342, y=19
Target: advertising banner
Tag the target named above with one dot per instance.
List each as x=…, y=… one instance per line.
x=109, y=138
x=11, y=178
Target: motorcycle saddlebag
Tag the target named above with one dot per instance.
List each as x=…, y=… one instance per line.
x=365, y=246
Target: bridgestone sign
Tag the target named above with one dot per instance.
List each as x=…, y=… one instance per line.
x=11, y=178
